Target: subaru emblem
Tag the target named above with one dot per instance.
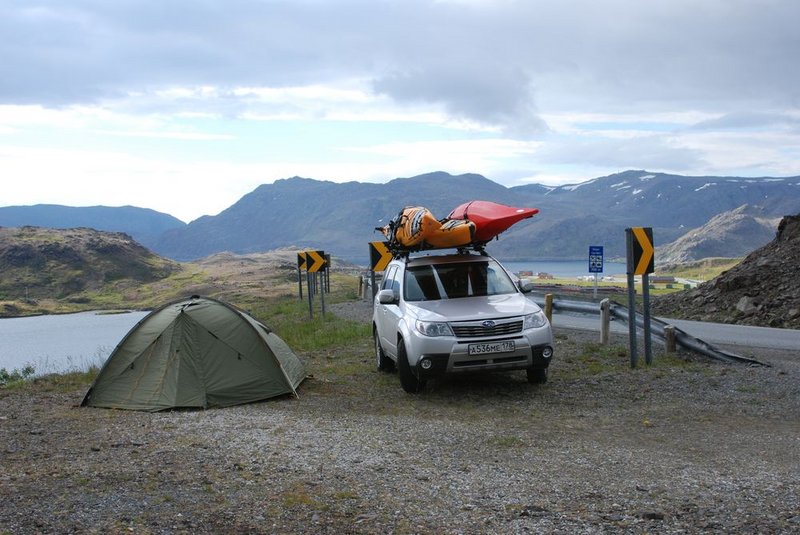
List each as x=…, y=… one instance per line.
x=488, y=324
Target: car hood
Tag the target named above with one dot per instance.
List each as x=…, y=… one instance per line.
x=473, y=308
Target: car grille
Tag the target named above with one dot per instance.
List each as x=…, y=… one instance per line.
x=478, y=329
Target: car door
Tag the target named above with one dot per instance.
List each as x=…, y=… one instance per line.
x=389, y=314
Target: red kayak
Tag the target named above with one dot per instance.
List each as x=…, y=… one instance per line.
x=490, y=218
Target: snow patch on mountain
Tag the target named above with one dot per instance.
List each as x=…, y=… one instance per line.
x=706, y=185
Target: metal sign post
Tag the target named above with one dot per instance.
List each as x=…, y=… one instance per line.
x=310, y=296
x=315, y=263
x=631, y=314
x=595, y=263
x=322, y=290
x=648, y=346
x=327, y=273
x=301, y=265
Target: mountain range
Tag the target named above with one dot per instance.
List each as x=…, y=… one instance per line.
x=340, y=218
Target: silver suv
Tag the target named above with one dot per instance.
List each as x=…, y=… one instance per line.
x=457, y=313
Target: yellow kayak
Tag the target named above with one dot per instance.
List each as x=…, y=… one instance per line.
x=416, y=227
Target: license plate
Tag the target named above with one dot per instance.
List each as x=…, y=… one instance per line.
x=491, y=347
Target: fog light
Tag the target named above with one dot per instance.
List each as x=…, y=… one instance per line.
x=547, y=352
x=426, y=364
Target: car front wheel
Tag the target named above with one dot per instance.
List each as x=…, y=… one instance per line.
x=408, y=379
x=537, y=376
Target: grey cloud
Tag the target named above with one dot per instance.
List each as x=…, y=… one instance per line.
x=492, y=96
x=749, y=119
x=493, y=62
x=653, y=152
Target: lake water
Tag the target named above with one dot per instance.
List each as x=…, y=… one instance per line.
x=565, y=268
x=64, y=342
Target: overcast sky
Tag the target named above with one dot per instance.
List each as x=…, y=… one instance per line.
x=184, y=106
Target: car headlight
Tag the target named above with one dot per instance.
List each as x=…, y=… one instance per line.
x=434, y=328
x=535, y=320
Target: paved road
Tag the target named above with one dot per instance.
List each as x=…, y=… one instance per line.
x=713, y=333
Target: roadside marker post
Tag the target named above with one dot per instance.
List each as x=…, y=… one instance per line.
x=310, y=297
x=301, y=265
x=315, y=264
x=327, y=273
x=640, y=261
x=605, y=321
x=379, y=258
x=595, y=263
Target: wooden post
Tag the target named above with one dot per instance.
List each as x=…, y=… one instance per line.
x=605, y=321
x=670, y=340
x=548, y=307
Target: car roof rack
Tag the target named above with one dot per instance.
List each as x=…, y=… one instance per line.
x=401, y=252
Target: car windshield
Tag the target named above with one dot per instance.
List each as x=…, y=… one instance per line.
x=454, y=280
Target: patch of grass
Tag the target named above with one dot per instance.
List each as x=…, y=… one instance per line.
x=69, y=381
x=594, y=359
x=297, y=498
x=57, y=382
x=705, y=269
x=15, y=377
x=597, y=359
x=290, y=320
x=507, y=441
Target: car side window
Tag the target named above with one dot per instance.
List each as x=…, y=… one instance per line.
x=396, y=283
x=388, y=277
x=498, y=281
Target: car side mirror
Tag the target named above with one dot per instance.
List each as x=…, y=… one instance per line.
x=526, y=287
x=388, y=297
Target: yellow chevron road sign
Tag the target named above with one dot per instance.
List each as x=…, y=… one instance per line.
x=640, y=250
x=315, y=261
x=301, y=260
x=379, y=255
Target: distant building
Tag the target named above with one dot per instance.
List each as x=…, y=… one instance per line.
x=661, y=279
x=543, y=275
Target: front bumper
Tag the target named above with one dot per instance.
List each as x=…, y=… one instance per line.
x=458, y=361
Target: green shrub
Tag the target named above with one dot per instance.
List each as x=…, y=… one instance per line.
x=15, y=376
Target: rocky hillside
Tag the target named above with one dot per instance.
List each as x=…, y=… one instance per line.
x=50, y=263
x=764, y=289
x=143, y=224
x=728, y=235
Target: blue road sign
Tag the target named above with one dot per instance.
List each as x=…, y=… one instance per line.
x=595, y=259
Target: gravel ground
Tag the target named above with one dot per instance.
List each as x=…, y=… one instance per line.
x=683, y=446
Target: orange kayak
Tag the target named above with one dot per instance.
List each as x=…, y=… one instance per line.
x=416, y=227
x=471, y=224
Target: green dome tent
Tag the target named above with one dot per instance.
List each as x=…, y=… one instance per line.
x=196, y=352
